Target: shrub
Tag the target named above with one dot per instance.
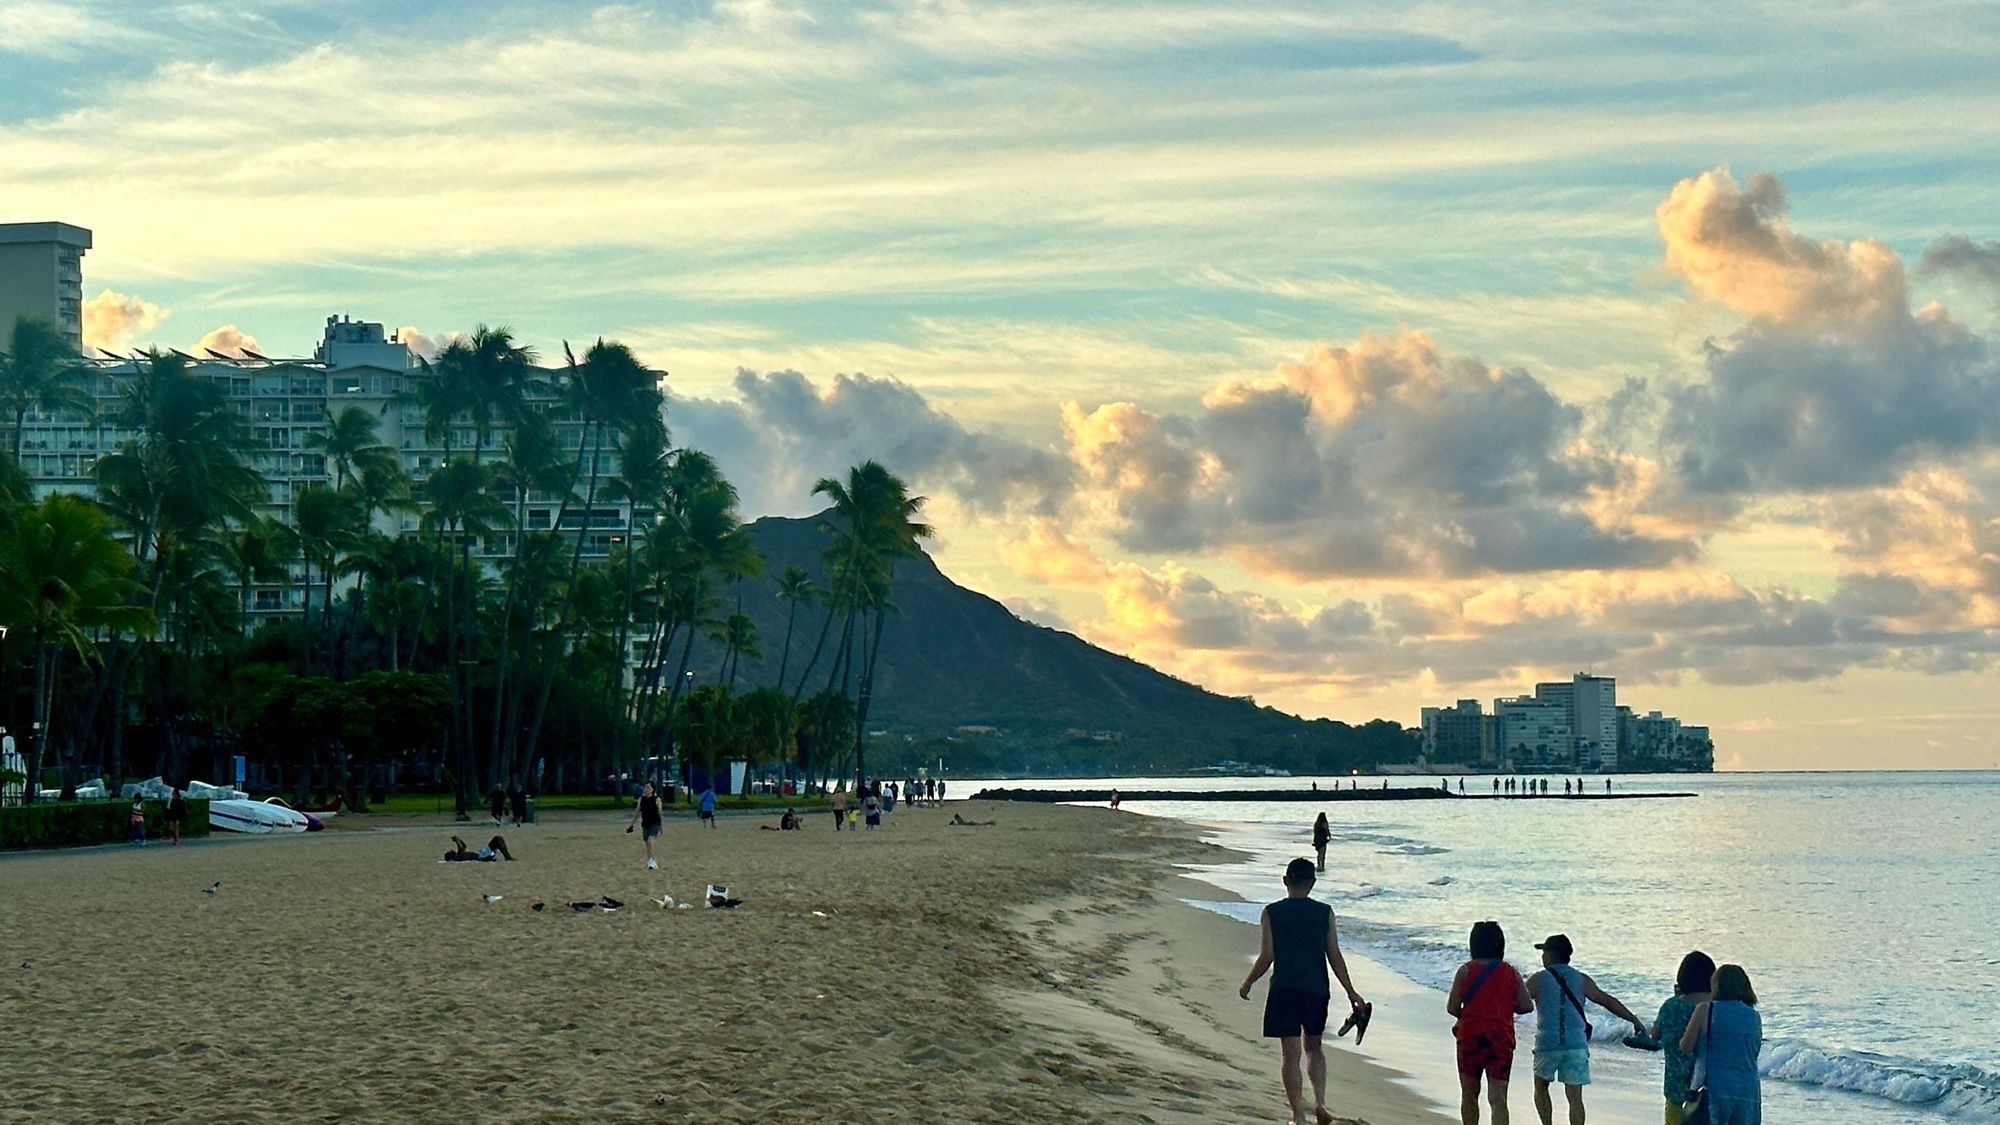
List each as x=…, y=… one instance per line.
x=73, y=824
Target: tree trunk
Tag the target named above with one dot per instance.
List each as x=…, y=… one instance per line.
x=867, y=691
x=40, y=739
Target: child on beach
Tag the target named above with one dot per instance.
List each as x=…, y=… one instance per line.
x=139, y=821
x=706, y=808
x=177, y=812
x=1485, y=996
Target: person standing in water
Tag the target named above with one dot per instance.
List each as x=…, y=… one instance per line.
x=1562, y=1032
x=647, y=814
x=1300, y=940
x=1322, y=835
x=1485, y=997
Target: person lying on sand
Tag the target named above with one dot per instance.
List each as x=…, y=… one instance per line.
x=496, y=848
x=958, y=821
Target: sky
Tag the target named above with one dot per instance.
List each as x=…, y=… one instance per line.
x=1353, y=357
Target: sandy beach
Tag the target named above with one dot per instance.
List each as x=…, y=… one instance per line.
x=1042, y=969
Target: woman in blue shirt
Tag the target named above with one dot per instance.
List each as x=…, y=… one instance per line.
x=1735, y=1035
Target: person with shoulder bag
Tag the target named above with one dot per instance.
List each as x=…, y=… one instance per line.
x=1728, y=1034
x=1485, y=997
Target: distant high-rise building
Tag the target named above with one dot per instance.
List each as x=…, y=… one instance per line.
x=41, y=276
x=1460, y=735
x=1591, y=703
x=1534, y=733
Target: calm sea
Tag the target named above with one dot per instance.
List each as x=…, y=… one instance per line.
x=1866, y=907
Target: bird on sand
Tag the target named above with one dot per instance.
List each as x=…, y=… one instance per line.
x=212, y=887
x=491, y=897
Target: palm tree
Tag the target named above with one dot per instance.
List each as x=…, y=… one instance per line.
x=738, y=634
x=609, y=388
x=874, y=525
x=484, y=376
x=329, y=524
x=62, y=576
x=461, y=509
x=259, y=549
x=351, y=447
x=175, y=484
x=796, y=589
x=40, y=371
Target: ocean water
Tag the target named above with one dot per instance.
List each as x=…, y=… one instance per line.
x=1865, y=906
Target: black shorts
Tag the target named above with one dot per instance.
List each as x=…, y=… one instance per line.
x=1291, y=1011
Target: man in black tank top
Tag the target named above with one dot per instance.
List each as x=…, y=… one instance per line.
x=1299, y=942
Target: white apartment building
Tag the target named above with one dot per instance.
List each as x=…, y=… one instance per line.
x=1533, y=732
x=284, y=400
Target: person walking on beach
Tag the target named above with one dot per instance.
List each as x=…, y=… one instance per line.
x=1735, y=1033
x=648, y=816
x=177, y=814
x=1562, y=1031
x=705, y=808
x=839, y=803
x=1322, y=835
x=1114, y=800
x=1299, y=941
x=1486, y=994
x=1691, y=990
x=139, y=821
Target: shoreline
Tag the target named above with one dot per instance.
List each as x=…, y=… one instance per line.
x=1043, y=969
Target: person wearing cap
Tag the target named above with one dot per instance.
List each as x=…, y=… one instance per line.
x=1299, y=942
x=1562, y=1033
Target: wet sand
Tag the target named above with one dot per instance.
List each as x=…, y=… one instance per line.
x=1043, y=969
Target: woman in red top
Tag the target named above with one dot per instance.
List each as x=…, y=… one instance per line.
x=1485, y=996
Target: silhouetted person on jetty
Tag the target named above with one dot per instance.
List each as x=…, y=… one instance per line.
x=1300, y=940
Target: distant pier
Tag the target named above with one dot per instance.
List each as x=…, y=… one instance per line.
x=1406, y=793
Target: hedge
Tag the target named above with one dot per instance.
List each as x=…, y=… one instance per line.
x=71, y=824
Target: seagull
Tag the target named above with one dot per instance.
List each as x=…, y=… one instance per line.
x=580, y=907
x=666, y=902
x=491, y=898
x=212, y=887
x=609, y=903
x=27, y=964
x=537, y=906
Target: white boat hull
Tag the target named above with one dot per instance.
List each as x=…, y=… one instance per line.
x=255, y=817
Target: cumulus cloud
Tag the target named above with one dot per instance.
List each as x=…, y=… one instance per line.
x=229, y=340
x=423, y=345
x=114, y=320
x=1834, y=381
x=1956, y=256
x=1732, y=244
x=1389, y=456
x=783, y=432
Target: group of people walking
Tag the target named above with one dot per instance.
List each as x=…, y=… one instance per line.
x=1709, y=1030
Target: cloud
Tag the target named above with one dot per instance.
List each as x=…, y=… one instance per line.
x=423, y=345
x=783, y=432
x=1732, y=245
x=1389, y=456
x=1833, y=382
x=227, y=339
x=112, y=320
x=1956, y=256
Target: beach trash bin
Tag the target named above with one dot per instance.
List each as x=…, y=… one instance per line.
x=529, y=816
